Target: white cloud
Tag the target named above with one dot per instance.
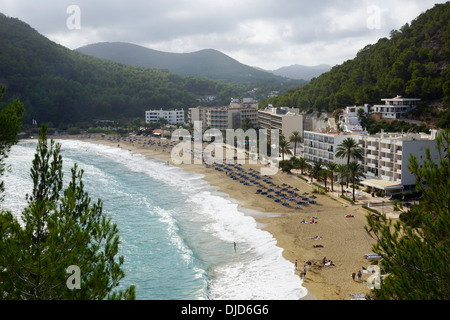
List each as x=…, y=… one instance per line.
x=264, y=33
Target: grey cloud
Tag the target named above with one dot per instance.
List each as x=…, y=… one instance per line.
x=252, y=29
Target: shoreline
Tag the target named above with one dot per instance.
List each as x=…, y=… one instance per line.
x=344, y=240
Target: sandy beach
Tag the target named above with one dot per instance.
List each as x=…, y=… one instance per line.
x=342, y=239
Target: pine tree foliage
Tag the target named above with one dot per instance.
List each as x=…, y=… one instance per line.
x=416, y=253
x=10, y=125
x=60, y=228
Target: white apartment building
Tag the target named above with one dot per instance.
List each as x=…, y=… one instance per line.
x=387, y=155
x=349, y=119
x=395, y=108
x=286, y=120
x=321, y=145
x=227, y=117
x=172, y=116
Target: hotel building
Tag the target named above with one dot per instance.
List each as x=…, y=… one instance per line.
x=394, y=108
x=321, y=145
x=172, y=116
x=385, y=155
x=349, y=119
x=227, y=117
x=286, y=120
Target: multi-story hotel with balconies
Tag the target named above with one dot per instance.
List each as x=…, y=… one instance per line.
x=320, y=146
x=227, y=117
x=286, y=120
x=385, y=155
x=394, y=108
x=172, y=116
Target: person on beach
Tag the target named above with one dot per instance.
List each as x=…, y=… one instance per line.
x=234, y=244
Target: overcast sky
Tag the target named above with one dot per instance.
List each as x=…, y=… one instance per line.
x=263, y=33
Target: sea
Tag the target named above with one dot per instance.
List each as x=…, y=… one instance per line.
x=177, y=231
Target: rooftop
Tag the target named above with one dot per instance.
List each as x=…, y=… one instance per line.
x=400, y=98
x=333, y=132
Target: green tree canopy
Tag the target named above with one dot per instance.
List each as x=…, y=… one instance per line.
x=412, y=62
x=349, y=150
x=61, y=228
x=295, y=138
x=10, y=125
x=416, y=257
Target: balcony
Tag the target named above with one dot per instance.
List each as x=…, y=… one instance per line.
x=373, y=148
x=387, y=178
x=385, y=159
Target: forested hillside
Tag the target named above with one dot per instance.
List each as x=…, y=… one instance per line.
x=59, y=85
x=413, y=62
x=302, y=72
x=208, y=63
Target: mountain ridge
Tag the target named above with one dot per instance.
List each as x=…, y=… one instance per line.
x=297, y=71
x=63, y=86
x=209, y=63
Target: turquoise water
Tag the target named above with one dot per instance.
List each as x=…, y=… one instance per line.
x=177, y=231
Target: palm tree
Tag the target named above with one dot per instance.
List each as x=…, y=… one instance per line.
x=295, y=138
x=332, y=168
x=343, y=174
x=324, y=173
x=284, y=147
x=355, y=172
x=316, y=169
x=348, y=149
x=302, y=164
x=246, y=124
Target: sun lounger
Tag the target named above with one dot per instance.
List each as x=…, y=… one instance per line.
x=372, y=256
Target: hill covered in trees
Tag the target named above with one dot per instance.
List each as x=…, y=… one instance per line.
x=297, y=71
x=63, y=86
x=207, y=63
x=413, y=62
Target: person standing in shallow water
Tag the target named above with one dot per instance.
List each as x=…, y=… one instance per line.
x=234, y=244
